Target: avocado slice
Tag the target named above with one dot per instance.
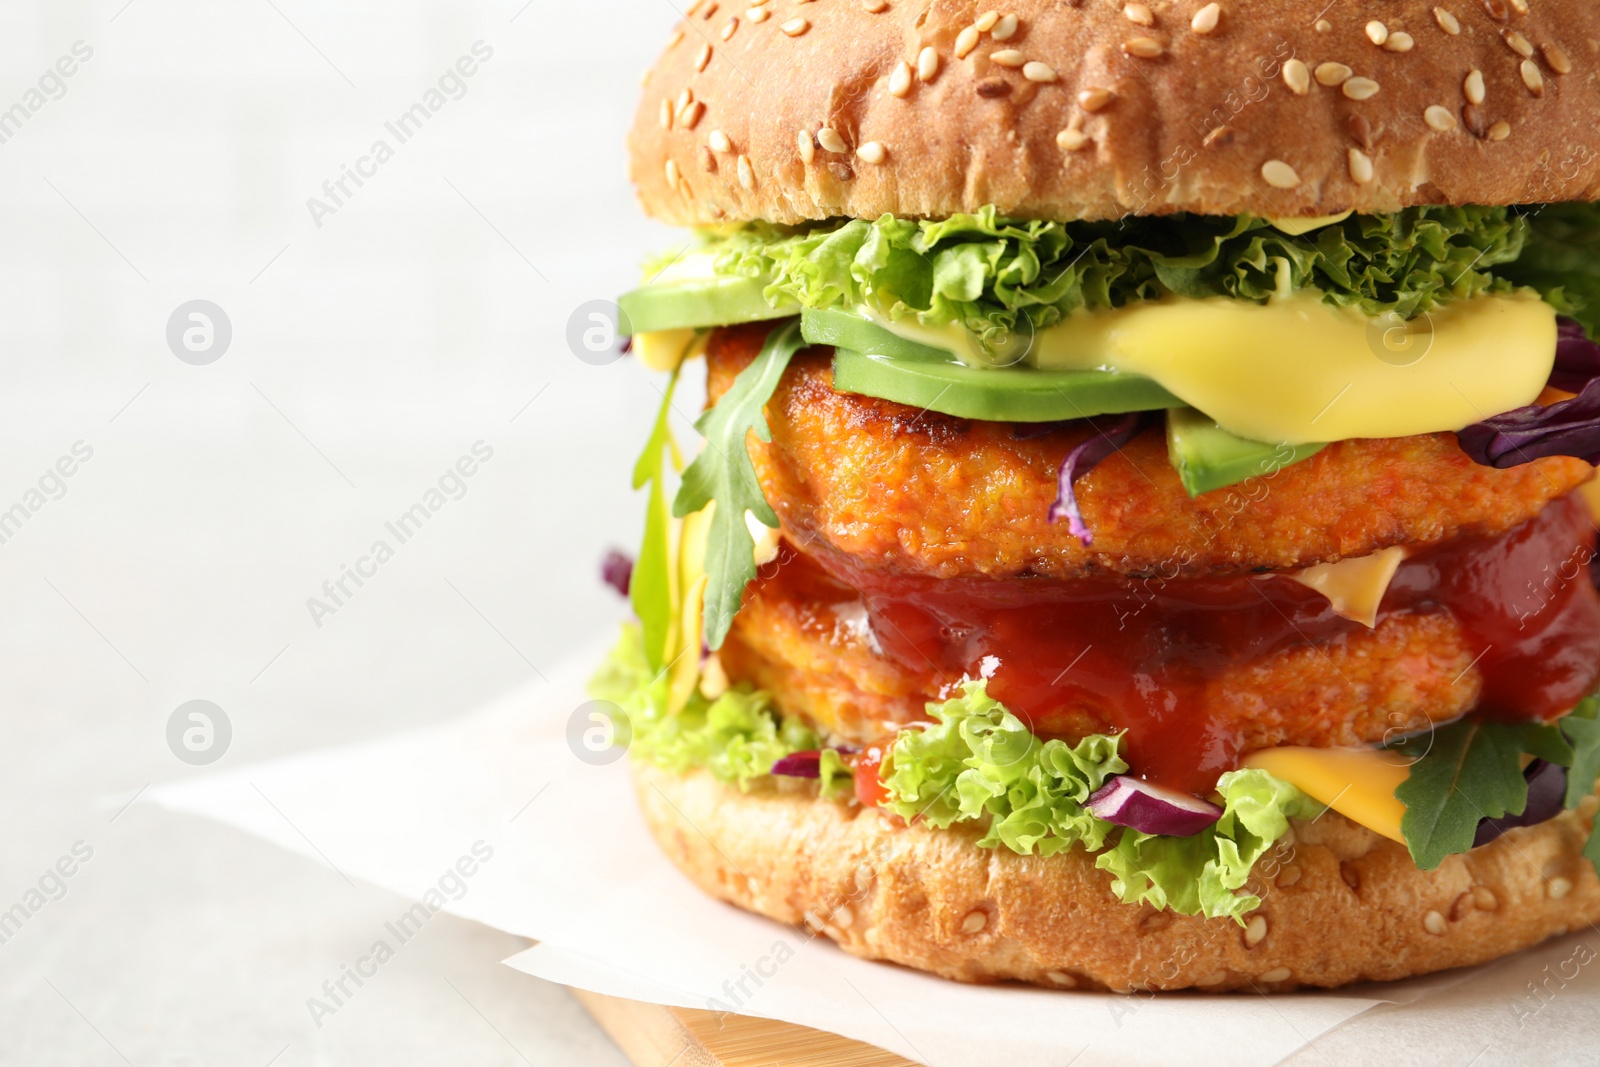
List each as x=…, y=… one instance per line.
x=874, y=362
x=1208, y=457
x=713, y=301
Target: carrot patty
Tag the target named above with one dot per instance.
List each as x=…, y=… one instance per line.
x=916, y=492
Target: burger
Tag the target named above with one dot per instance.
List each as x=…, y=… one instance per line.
x=1142, y=537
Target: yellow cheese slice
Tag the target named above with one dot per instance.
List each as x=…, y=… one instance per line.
x=665, y=350
x=1358, y=783
x=1296, y=227
x=1355, y=587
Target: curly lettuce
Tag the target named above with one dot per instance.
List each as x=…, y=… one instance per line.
x=979, y=764
x=988, y=272
x=975, y=764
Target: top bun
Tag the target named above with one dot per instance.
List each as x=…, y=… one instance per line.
x=789, y=111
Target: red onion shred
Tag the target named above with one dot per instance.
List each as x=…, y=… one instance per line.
x=616, y=570
x=1085, y=458
x=1151, y=809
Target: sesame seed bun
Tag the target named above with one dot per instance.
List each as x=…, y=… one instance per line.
x=1339, y=903
x=1090, y=109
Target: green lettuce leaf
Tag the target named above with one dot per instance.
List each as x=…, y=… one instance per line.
x=1561, y=259
x=1202, y=874
x=737, y=737
x=650, y=588
x=991, y=273
x=1472, y=771
x=977, y=763
x=722, y=472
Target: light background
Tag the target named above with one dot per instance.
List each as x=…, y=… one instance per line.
x=367, y=356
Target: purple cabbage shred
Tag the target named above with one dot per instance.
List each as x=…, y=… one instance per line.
x=616, y=570
x=1565, y=428
x=800, y=765
x=1085, y=458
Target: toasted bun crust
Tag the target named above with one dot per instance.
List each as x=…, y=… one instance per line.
x=1339, y=903
x=1190, y=129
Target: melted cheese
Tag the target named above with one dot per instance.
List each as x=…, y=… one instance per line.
x=1295, y=370
x=1358, y=783
x=1355, y=587
x=1296, y=227
x=665, y=350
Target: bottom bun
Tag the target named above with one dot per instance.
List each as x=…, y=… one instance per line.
x=1339, y=904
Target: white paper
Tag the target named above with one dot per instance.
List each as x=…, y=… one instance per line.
x=573, y=868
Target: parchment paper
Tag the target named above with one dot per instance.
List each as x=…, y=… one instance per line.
x=493, y=817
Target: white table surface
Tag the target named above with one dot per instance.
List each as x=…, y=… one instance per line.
x=369, y=355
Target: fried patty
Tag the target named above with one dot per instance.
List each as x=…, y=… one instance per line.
x=916, y=492
x=817, y=657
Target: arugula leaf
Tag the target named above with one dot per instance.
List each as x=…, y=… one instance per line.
x=650, y=590
x=723, y=474
x=1582, y=729
x=1472, y=771
x=988, y=272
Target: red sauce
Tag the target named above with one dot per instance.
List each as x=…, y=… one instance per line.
x=870, y=789
x=1070, y=657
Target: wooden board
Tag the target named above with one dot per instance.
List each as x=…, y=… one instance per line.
x=655, y=1036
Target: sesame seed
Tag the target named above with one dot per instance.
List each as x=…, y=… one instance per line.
x=1038, y=72
x=1008, y=57
x=1360, y=88
x=1485, y=898
x=1005, y=29
x=1139, y=15
x=1557, y=59
x=1277, y=974
x=986, y=21
x=1291, y=875
x=666, y=114
x=1439, y=118
x=1222, y=135
x=1061, y=978
x=875, y=7
x=966, y=41
x=1474, y=120
x=1072, y=139
x=900, y=79
x=1143, y=47
x=990, y=88
x=1279, y=175
x=830, y=141
x=1322, y=26
x=795, y=27
x=843, y=916
x=719, y=142
x=1095, y=99
x=693, y=9
x=1216, y=978
x=677, y=39
x=975, y=921
x=672, y=173
x=1557, y=888
x=747, y=177
x=1473, y=87
x=708, y=163
x=1532, y=78
x=808, y=148
x=685, y=98
x=1517, y=43
x=1332, y=74
x=1256, y=928
x=873, y=152
x=812, y=921
x=1297, y=77
x=689, y=117
x=1206, y=19
x=711, y=9
x=757, y=14
x=1399, y=41
x=1377, y=32
x=1499, y=132
x=1361, y=174
x=728, y=27
x=927, y=64
x=1447, y=22
x=1361, y=130
x=703, y=59
x=1496, y=9
x=1521, y=6
x=1434, y=923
